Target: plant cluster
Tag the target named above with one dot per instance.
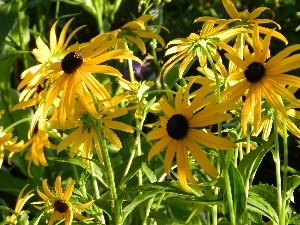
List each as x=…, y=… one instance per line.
x=131, y=129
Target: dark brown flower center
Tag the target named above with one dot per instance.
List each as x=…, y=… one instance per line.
x=60, y=206
x=177, y=126
x=71, y=62
x=254, y=72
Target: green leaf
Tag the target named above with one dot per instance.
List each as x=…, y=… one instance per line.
x=249, y=164
x=37, y=217
x=104, y=204
x=78, y=161
x=8, y=14
x=237, y=192
x=292, y=183
x=263, y=200
x=149, y=173
x=162, y=219
x=135, y=166
x=137, y=201
x=294, y=220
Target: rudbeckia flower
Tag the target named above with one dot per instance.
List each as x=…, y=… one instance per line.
x=133, y=31
x=21, y=201
x=60, y=203
x=259, y=77
x=244, y=19
x=199, y=45
x=72, y=79
x=35, y=76
x=84, y=139
x=182, y=127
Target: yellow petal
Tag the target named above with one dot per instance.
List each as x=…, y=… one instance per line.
x=159, y=146
x=200, y=157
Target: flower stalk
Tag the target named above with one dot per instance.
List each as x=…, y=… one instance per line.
x=109, y=171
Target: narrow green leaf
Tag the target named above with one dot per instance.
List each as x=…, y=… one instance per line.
x=263, y=200
x=237, y=192
x=8, y=14
x=78, y=162
x=149, y=173
x=292, y=183
x=136, y=165
x=37, y=217
x=249, y=164
x=162, y=218
x=104, y=204
x=136, y=201
x=294, y=220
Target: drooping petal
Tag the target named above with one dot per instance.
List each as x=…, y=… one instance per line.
x=159, y=146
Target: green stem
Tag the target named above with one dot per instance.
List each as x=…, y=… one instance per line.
x=16, y=123
x=116, y=7
x=277, y=166
x=282, y=214
x=57, y=9
x=96, y=188
x=109, y=171
x=99, y=14
x=21, y=17
x=216, y=190
x=228, y=189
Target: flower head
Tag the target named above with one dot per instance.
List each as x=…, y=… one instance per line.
x=34, y=77
x=84, y=139
x=183, y=126
x=133, y=31
x=244, y=19
x=199, y=45
x=72, y=79
x=60, y=203
x=259, y=77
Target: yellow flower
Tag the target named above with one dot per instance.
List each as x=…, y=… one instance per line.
x=258, y=77
x=267, y=122
x=21, y=201
x=34, y=77
x=72, y=78
x=84, y=139
x=60, y=202
x=7, y=142
x=133, y=31
x=35, y=153
x=244, y=19
x=199, y=45
x=183, y=127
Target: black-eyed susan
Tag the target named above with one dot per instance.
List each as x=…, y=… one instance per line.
x=244, y=19
x=72, y=79
x=134, y=31
x=34, y=77
x=182, y=127
x=83, y=140
x=199, y=45
x=259, y=77
x=60, y=202
x=21, y=201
